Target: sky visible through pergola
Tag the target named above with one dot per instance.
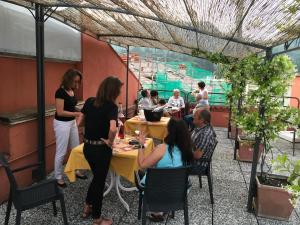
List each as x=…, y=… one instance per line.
x=235, y=28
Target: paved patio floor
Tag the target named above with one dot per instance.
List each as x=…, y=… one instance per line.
x=230, y=181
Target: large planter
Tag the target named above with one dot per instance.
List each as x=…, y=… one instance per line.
x=233, y=131
x=219, y=116
x=246, y=149
x=273, y=202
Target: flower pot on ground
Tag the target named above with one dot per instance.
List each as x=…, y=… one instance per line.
x=272, y=200
x=233, y=131
x=219, y=115
x=246, y=148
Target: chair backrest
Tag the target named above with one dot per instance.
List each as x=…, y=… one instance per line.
x=166, y=188
x=9, y=173
x=208, y=153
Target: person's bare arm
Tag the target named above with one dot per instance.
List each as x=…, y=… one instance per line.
x=197, y=154
x=112, y=133
x=81, y=120
x=59, y=105
x=151, y=159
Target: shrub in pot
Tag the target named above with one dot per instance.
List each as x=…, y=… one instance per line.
x=278, y=199
x=272, y=79
x=246, y=147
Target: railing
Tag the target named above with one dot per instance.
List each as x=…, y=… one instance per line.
x=210, y=101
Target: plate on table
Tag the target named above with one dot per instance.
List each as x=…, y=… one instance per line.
x=175, y=109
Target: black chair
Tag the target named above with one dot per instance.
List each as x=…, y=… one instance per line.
x=138, y=175
x=165, y=191
x=203, y=167
x=32, y=196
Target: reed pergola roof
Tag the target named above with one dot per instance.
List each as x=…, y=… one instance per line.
x=234, y=27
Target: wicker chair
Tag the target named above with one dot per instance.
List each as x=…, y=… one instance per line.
x=32, y=196
x=202, y=167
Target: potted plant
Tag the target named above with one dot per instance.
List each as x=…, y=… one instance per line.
x=278, y=199
x=264, y=121
x=246, y=147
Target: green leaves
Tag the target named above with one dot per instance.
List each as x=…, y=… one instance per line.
x=283, y=164
x=213, y=57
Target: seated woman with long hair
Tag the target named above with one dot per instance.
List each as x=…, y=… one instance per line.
x=176, y=150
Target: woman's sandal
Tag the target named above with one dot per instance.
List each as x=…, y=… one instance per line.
x=103, y=221
x=156, y=218
x=87, y=210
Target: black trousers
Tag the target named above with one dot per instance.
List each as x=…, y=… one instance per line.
x=98, y=157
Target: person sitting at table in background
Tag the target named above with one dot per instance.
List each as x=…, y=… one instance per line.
x=176, y=100
x=203, y=136
x=145, y=102
x=202, y=104
x=176, y=151
x=162, y=103
x=100, y=118
x=64, y=124
x=154, y=97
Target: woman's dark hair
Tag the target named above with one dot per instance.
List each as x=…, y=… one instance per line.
x=153, y=93
x=201, y=84
x=144, y=93
x=162, y=102
x=178, y=134
x=108, y=91
x=69, y=77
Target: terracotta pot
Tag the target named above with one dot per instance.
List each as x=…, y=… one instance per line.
x=233, y=131
x=246, y=149
x=273, y=202
x=219, y=116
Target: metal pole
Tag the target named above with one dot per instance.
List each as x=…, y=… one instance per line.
x=252, y=185
x=127, y=71
x=139, y=74
x=236, y=143
x=39, y=32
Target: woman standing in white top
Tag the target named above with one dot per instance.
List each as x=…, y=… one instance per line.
x=203, y=93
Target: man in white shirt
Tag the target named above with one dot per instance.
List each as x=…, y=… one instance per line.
x=145, y=102
x=176, y=100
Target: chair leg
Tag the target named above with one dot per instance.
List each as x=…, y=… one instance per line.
x=18, y=217
x=63, y=210
x=210, y=188
x=144, y=214
x=186, y=214
x=140, y=206
x=54, y=208
x=173, y=214
x=8, y=209
x=200, y=181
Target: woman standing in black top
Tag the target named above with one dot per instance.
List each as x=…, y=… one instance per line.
x=65, y=127
x=100, y=118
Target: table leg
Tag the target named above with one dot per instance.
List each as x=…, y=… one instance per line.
x=112, y=182
x=120, y=186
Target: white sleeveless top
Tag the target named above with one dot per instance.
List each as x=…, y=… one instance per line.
x=201, y=92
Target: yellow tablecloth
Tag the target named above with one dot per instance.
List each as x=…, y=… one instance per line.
x=123, y=163
x=154, y=129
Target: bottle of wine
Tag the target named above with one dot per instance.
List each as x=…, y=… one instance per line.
x=121, y=118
